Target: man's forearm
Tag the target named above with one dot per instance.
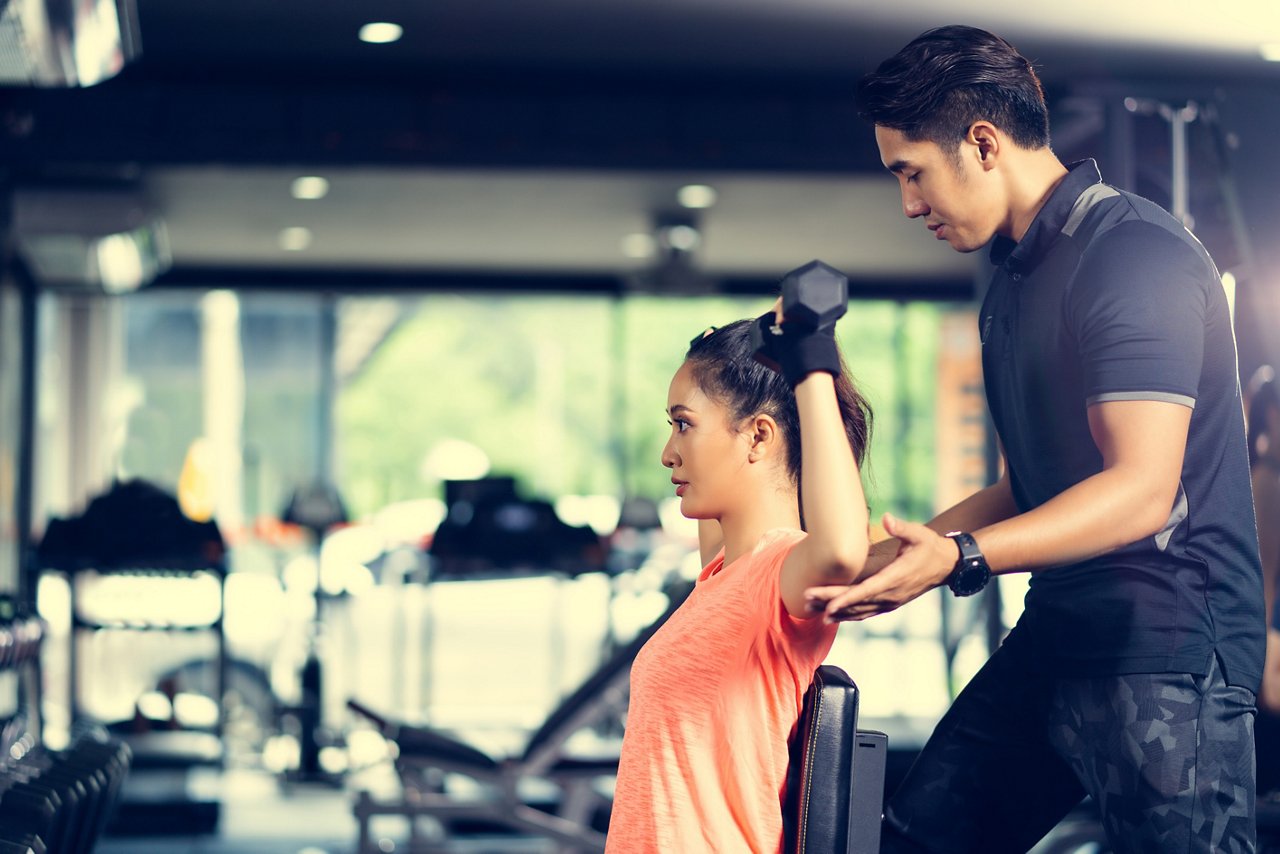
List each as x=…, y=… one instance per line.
x=985, y=507
x=1100, y=514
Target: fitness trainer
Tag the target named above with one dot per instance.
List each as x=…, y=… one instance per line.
x=1110, y=373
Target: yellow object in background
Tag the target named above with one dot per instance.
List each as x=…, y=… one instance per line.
x=195, y=484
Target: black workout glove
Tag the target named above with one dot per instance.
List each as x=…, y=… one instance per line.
x=798, y=351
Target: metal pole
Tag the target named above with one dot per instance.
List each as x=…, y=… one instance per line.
x=1121, y=170
x=30, y=686
x=1180, y=180
x=24, y=487
x=327, y=390
x=1178, y=119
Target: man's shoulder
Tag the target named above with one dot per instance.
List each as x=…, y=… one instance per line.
x=1137, y=245
x=1120, y=217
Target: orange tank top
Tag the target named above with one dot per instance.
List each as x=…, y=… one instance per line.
x=714, y=697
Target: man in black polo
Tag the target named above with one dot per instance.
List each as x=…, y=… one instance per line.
x=1110, y=372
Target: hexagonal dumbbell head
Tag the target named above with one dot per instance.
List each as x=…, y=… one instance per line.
x=815, y=295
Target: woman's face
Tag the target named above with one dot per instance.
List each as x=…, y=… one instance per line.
x=707, y=455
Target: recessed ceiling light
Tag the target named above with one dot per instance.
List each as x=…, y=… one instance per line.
x=1270, y=52
x=295, y=238
x=310, y=187
x=696, y=196
x=381, y=32
x=638, y=245
x=684, y=238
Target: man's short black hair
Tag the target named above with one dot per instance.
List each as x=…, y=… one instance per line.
x=946, y=79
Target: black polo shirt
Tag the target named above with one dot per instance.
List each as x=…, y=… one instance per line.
x=1108, y=297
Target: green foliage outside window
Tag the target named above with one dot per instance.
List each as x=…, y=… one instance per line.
x=567, y=393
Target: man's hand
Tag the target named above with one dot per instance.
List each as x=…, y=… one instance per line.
x=881, y=553
x=923, y=560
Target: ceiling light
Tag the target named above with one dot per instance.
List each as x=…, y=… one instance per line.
x=310, y=187
x=295, y=238
x=107, y=237
x=696, y=196
x=381, y=32
x=121, y=266
x=638, y=245
x=683, y=238
x=1270, y=52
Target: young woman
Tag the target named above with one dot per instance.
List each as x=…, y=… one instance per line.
x=773, y=459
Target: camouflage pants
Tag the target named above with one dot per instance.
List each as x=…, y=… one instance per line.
x=1167, y=757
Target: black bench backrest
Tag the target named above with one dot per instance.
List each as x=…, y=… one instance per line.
x=835, y=781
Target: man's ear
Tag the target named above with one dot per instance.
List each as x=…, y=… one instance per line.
x=765, y=438
x=986, y=140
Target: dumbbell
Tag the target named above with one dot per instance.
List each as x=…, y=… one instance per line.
x=27, y=810
x=102, y=762
x=28, y=631
x=814, y=297
x=79, y=784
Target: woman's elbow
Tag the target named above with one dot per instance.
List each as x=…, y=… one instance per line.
x=846, y=565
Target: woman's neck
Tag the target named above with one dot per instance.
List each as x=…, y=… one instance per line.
x=744, y=527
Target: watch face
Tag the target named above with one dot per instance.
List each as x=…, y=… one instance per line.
x=971, y=573
x=969, y=579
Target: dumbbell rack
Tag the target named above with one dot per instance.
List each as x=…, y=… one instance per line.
x=49, y=801
x=21, y=636
x=161, y=760
x=58, y=801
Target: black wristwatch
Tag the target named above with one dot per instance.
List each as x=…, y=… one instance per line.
x=971, y=573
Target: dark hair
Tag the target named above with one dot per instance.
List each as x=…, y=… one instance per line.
x=1263, y=395
x=724, y=369
x=946, y=79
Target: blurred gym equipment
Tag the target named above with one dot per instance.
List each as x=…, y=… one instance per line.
x=137, y=536
x=427, y=755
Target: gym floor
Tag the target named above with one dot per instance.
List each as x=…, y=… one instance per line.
x=261, y=816
x=258, y=816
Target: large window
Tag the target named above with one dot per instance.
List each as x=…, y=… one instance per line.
x=389, y=396
x=230, y=370
x=567, y=394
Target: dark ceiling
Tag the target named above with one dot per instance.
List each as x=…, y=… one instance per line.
x=513, y=144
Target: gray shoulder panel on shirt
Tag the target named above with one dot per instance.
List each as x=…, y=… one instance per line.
x=1084, y=203
x=1161, y=396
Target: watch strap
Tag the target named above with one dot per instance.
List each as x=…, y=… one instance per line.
x=971, y=572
